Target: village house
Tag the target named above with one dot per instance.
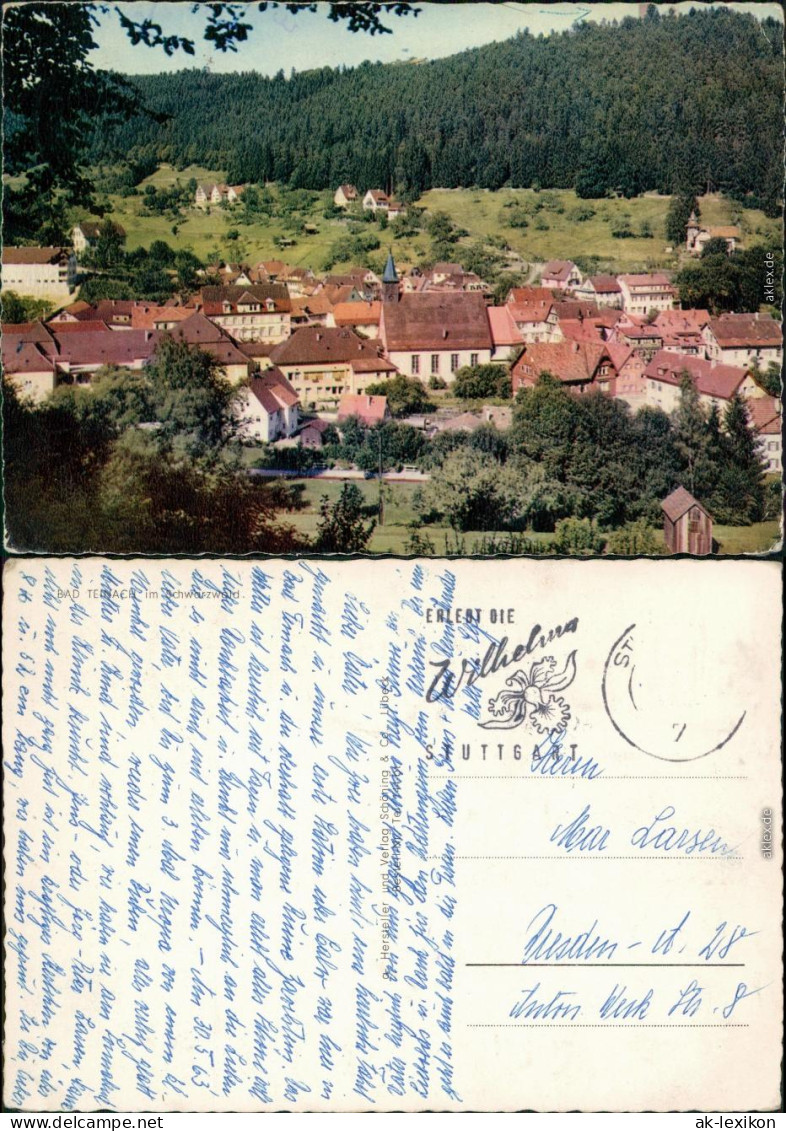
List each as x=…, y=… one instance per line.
x=536, y=319
x=603, y=290
x=323, y=364
x=312, y=435
x=369, y=410
x=682, y=330
x=506, y=338
x=121, y=314
x=433, y=334
x=72, y=352
x=643, y=293
x=198, y=330
x=581, y=366
x=687, y=525
x=580, y=330
x=560, y=274
x=765, y=417
x=28, y=366
x=260, y=312
x=345, y=195
x=40, y=272
x=84, y=236
x=207, y=194
x=376, y=200
x=267, y=407
x=715, y=382
x=698, y=237
x=744, y=339
x=645, y=339
x=311, y=310
x=362, y=317
x=631, y=384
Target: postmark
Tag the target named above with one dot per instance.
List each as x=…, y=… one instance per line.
x=671, y=736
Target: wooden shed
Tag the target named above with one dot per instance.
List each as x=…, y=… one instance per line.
x=687, y=526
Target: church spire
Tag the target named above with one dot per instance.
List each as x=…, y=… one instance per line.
x=390, y=292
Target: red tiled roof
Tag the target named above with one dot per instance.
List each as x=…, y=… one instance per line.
x=438, y=320
x=711, y=379
x=580, y=331
x=41, y=255
x=27, y=331
x=537, y=311
x=273, y=391
x=682, y=321
x=557, y=269
x=312, y=345
x=656, y=279
x=765, y=415
x=571, y=362
x=357, y=313
x=530, y=294
x=746, y=330
x=569, y=309
x=678, y=502
x=92, y=327
x=106, y=347
x=504, y=331
x=604, y=284
x=214, y=298
x=197, y=330
x=371, y=410
x=21, y=356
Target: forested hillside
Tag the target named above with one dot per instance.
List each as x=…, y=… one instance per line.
x=666, y=102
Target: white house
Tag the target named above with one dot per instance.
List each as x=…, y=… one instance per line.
x=41, y=272
x=435, y=334
x=376, y=200
x=345, y=195
x=603, y=290
x=268, y=407
x=744, y=339
x=85, y=235
x=697, y=237
x=765, y=416
x=643, y=293
x=715, y=382
x=560, y=274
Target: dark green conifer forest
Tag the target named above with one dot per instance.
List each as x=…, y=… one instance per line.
x=685, y=103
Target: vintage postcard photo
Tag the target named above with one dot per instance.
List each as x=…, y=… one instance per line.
x=401, y=278
x=392, y=836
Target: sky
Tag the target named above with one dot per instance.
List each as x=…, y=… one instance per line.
x=283, y=41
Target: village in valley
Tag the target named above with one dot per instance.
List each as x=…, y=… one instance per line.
x=413, y=404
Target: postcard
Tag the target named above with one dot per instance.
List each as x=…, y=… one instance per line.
x=373, y=836
x=418, y=279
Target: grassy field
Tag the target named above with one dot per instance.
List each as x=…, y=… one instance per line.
x=392, y=536
x=756, y=539
x=552, y=232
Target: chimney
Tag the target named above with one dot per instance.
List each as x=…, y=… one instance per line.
x=445, y=333
x=575, y=347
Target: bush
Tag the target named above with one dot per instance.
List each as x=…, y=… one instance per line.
x=635, y=538
x=435, y=382
x=577, y=536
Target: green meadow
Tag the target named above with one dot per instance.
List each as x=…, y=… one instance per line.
x=398, y=512
x=552, y=232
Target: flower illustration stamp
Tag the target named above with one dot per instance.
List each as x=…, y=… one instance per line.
x=532, y=697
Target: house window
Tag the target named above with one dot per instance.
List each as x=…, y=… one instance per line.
x=415, y=364
x=454, y=362
x=473, y=359
x=435, y=363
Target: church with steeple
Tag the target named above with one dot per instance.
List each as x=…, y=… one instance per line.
x=390, y=281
